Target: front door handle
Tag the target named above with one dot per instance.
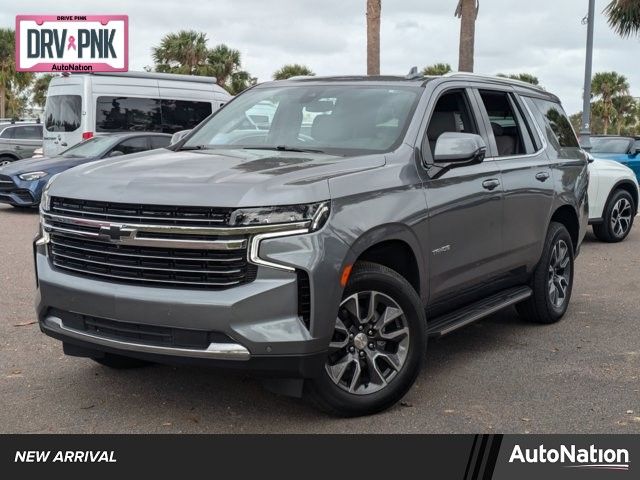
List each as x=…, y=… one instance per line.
x=491, y=184
x=18, y=147
x=542, y=176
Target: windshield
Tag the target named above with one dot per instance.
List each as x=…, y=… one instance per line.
x=610, y=144
x=335, y=119
x=94, y=147
x=62, y=113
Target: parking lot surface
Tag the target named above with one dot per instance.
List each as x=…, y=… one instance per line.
x=498, y=375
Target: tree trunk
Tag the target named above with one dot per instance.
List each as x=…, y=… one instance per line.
x=374, y=9
x=467, y=11
x=3, y=95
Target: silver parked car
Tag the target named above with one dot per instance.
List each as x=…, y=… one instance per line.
x=19, y=140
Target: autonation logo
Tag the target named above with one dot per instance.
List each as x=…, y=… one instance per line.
x=574, y=457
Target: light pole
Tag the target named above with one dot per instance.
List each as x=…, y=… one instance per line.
x=585, y=131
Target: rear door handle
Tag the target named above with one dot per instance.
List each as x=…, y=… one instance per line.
x=542, y=176
x=491, y=183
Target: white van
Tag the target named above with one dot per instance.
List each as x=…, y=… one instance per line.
x=81, y=106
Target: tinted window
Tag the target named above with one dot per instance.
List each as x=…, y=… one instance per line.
x=62, y=113
x=28, y=132
x=94, y=147
x=132, y=145
x=159, y=142
x=610, y=144
x=556, y=126
x=183, y=115
x=341, y=119
x=8, y=132
x=128, y=114
x=451, y=114
x=505, y=125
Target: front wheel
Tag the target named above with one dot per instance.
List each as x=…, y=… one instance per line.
x=552, y=280
x=378, y=344
x=5, y=160
x=617, y=218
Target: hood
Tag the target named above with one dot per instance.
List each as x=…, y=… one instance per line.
x=223, y=178
x=46, y=164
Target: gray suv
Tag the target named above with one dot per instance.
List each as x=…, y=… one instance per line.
x=323, y=249
x=19, y=140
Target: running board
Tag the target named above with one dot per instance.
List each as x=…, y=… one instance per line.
x=459, y=318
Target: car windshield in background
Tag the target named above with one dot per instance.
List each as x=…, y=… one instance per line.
x=93, y=147
x=610, y=145
x=62, y=113
x=335, y=119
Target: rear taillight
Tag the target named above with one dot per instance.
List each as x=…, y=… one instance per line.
x=87, y=135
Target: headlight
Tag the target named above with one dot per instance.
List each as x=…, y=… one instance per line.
x=311, y=216
x=45, y=200
x=32, y=176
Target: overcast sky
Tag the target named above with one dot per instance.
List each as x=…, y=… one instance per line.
x=543, y=37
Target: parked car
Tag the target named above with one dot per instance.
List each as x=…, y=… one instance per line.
x=81, y=106
x=613, y=199
x=624, y=150
x=21, y=183
x=19, y=140
x=410, y=207
x=38, y=153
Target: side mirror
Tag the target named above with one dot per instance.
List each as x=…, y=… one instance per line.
x=590, y=158
x=459, y=148
x=116, y=153
x=176, y=137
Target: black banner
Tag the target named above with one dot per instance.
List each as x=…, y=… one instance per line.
x=460, y=457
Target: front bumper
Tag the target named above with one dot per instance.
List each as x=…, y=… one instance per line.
x=20, y=193
x=260, y=319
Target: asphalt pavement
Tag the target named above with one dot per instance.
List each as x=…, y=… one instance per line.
x=498, y=375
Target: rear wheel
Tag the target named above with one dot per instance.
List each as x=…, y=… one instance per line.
x=378, y=344
x=119, y=362
x=617, y=218
x=552, y=279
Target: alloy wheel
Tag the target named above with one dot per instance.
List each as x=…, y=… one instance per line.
x=621, y=217
x=4, y=162
x=370, y=343
x=559, y=273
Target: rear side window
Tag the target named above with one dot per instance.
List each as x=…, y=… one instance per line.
x=556, y=126
x=505, y=124
x=62, y=113
x=28, y=132
x=159, y=142
x=183, y=115
x=128, y=114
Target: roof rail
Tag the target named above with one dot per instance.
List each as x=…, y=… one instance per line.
x=495, y=77
x=156, y=76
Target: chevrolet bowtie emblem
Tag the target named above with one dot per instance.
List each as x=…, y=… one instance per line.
x=116, y=232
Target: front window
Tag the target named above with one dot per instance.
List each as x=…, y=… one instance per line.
x=89, y=148
x=610, y=145
x=62, y=113
x=333, y=119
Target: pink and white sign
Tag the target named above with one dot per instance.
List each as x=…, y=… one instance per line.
x=72, y=43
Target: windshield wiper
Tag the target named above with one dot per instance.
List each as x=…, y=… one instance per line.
x=284, y=148
x=195, y=147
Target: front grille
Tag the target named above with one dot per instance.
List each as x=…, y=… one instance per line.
x=179, y=247
x=304, y=298
x=139, y=332
x=24, y=195
x=145, y=214
x=151, y=265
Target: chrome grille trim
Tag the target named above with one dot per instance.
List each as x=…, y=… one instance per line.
x=118, y=216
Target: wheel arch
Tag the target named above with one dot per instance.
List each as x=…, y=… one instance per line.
x=628, y=186
x=567, y=216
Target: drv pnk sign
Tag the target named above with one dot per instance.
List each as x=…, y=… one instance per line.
x=72, y=43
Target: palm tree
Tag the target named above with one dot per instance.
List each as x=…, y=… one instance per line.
x=624, y=17
x=239, y=82
x=12, y=83
x=605, y=86
x=523, y=77
x=183, y=52
x=39, y=89
x=467, y=12
x=627, y=109
x=437, y=69
x=374, y=10
x=223, y=62
x=292, y=70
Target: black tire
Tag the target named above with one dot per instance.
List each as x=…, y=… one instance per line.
x=333, y=399
x=118, y=362
x=542, y=307
x=5, y=159
x=615, y=227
